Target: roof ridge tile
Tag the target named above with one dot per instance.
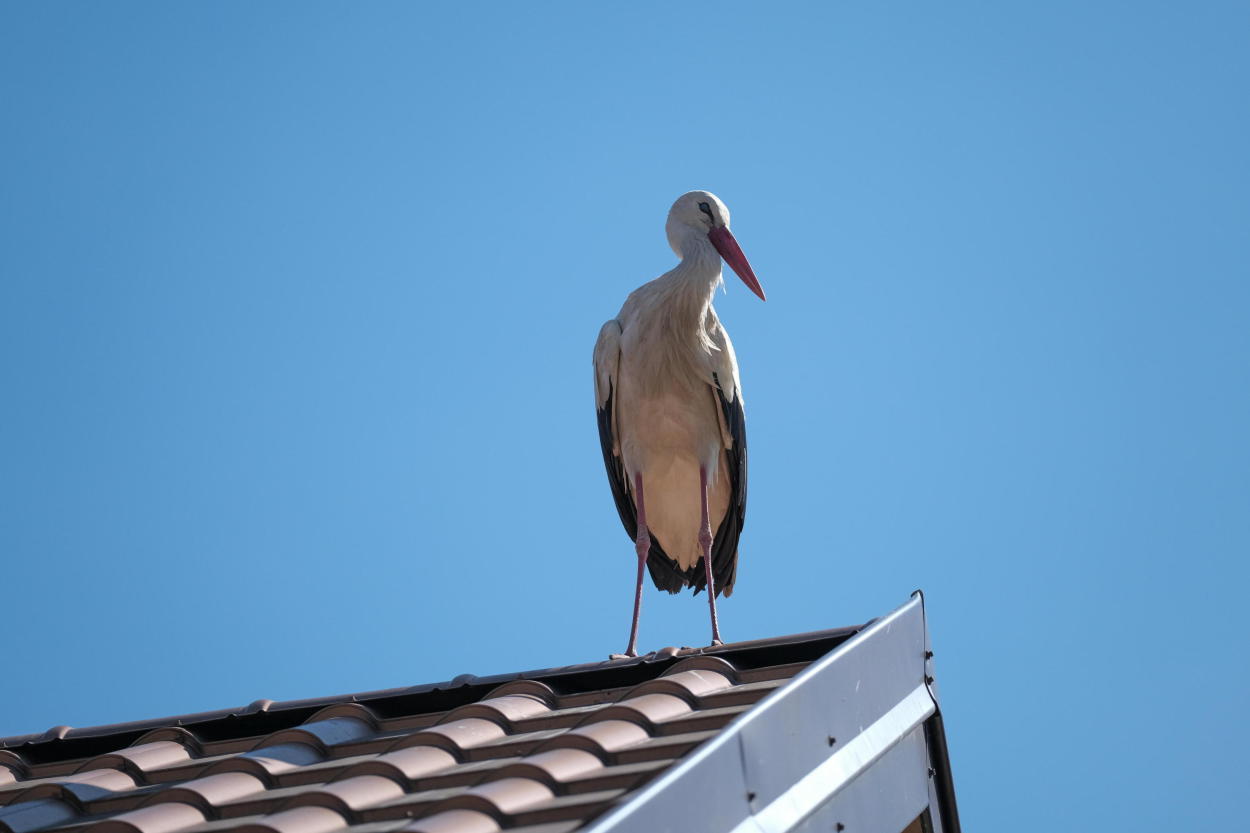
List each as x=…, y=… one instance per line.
x=324, y=734
x=529, y=688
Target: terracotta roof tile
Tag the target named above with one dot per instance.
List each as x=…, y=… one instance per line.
x=464, y=775
x=569, y=807
x=323, y=734
x=647, y=709
x=504, y=796
x=161, y=818
x=211, y=790
x=622, y=777
x=413, y=804
x=664, y=747
x=541, y=752
x=555, y=766
x=607, y=736
x=194, y=768
x=298, y=820
x=35, y=814
x=272, y=759
x=142, y=758
x=409, y=763
x=454, y=821
x=458, y=736
x=554, y=827
x=78, y=785
x=503, y=710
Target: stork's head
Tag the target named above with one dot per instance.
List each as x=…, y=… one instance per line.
x=701, y=214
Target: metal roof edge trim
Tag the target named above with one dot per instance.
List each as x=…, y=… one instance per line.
x=842, y=767
x=738, y=791
x=935, y=736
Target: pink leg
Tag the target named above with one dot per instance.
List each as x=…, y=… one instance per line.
x=643, y=545
x=705, y=544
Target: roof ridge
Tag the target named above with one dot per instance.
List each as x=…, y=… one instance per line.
x=265, y=716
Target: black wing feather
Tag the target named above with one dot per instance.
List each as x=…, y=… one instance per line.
x=725, y=544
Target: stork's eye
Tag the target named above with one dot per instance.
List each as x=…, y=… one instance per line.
x=706, y=209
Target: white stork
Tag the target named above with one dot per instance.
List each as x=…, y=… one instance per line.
x=670, y=413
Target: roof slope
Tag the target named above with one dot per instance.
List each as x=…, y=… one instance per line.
x=545, y=751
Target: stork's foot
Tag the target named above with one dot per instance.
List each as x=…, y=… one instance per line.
x=626, y=655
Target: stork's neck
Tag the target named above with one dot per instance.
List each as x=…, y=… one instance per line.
x=669, y=320
x=692, y=284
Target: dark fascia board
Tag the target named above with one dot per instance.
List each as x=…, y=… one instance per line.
x=846, y=742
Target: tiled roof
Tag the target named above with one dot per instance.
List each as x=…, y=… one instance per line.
x=541, y=752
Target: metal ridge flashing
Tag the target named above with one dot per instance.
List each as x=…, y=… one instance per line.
x=844, y=745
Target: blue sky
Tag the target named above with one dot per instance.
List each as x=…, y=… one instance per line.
x=297, y=305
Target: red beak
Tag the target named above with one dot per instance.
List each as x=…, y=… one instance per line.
x=729, y=249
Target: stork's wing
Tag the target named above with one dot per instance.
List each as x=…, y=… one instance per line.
x=727, y=394
x=607, y=361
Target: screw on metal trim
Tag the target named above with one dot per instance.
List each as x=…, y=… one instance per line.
x=750, y=796
x=928, y=680
x=839, y=826
x=928, y=655
x=832, y=740
x=932, y=772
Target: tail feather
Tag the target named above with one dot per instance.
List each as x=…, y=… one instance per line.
x=665, y=572
x=668, y=576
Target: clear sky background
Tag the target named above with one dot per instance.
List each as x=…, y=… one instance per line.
x=297, y=304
